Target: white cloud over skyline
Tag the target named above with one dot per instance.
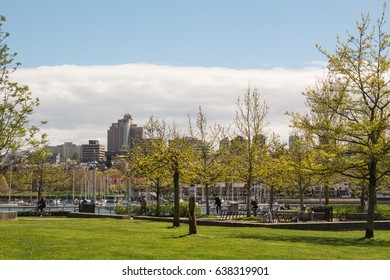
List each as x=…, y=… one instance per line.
x=81, y=102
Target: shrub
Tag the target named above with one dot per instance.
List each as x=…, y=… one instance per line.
x=340, y=211
x=166, y=209
x=383, y=212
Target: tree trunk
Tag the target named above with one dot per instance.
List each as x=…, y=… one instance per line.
x=271, y=198
x=248, y=197
x=158, y=191
x=39, y=195
x=371, y=199
x=207, y=200
x=301, y=194
x=326, y=192
x=192, y=217
x=363, y=195
x=40, y=184
x=176, y=207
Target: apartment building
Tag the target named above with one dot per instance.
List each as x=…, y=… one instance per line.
x=92, y=152
x=122, y=134
x=66, y=151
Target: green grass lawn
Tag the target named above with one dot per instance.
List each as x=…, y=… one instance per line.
x=109, y=239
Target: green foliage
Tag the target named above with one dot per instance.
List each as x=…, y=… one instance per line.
x=184, y=209
x=350, y=108
x=166, y=209
x=206, y=139
x=3, y=184
x=16, y=106
x=383, y=212
x=341, y=211
x=248, y=150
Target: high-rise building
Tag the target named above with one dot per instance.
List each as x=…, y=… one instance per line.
x=67, y=151
x=92, y=152
x=122, y=134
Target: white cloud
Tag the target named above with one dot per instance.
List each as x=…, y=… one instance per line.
x=81, y=102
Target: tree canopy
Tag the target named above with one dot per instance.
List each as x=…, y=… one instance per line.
x=351, y=108
x=17, y=134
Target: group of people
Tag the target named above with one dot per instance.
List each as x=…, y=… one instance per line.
x=218, y=205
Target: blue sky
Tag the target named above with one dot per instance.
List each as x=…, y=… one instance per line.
x=91, y=62
x=236, y=34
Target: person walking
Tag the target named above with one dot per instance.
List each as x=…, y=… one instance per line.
x=143, y=204
x=217, y=204
x=41, y=204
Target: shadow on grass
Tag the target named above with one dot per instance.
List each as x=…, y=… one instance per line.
x=320, y=240
x=182, y=236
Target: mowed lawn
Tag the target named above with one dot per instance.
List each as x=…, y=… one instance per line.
x=109, y=239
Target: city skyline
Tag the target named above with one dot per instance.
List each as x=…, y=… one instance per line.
x=90, y=62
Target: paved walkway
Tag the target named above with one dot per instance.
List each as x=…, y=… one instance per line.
x=331, y=226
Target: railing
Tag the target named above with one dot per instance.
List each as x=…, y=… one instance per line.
x=72, y=208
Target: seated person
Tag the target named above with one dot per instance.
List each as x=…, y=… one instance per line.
x=85, y=201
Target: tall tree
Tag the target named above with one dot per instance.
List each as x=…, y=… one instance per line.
x=207, y=153
x=168, y=153
x=325, y=119
x=179, y=160
x=16, y=108
x=274, y=168
x=250, y=123
x=145, y=158
x=45, y=176
x=302, y=163
x=360, y=98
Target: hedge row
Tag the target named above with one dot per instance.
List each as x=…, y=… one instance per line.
x=166, y=210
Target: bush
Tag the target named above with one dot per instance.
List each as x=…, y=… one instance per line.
x=166, y=210
x=341, y=211
x=127, y=210
x=383, y=212
x=184, y=209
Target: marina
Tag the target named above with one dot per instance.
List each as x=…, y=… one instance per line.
x=72, y=208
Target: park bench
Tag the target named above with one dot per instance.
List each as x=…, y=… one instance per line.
x=323, y=213
x=319, y=216
x=293, y=216
x=86, y=208
x=305, y=217
x=285, y=216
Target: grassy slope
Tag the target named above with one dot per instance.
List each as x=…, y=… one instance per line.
x=107, y=239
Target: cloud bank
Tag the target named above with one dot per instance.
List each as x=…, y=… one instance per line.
x=80, y=102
